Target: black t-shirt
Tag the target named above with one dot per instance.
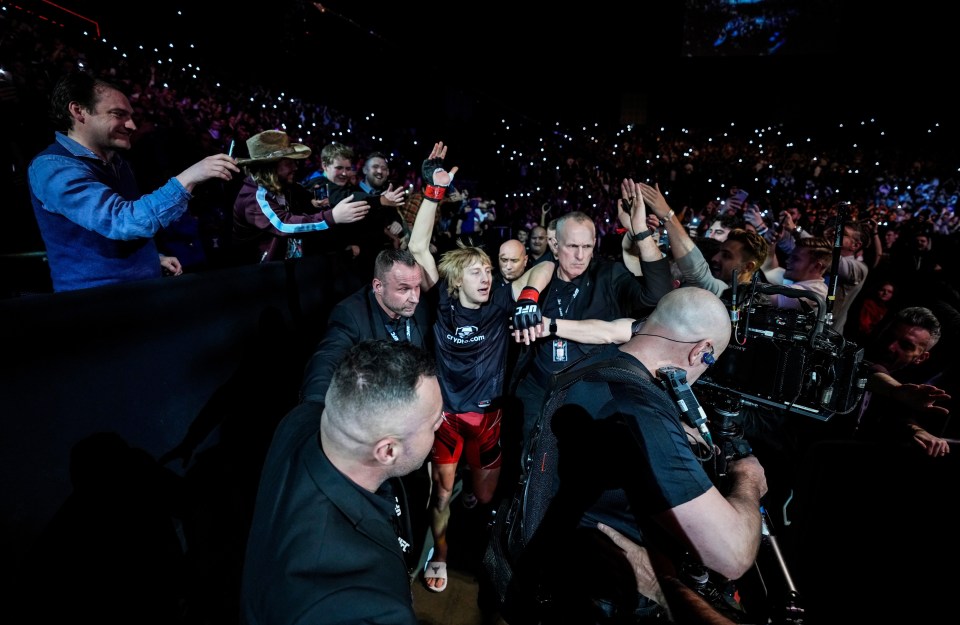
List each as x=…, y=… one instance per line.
x=605, y=291
x=624, y=454
x=471, y=349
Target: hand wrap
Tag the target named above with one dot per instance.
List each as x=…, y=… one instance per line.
x=435, y=193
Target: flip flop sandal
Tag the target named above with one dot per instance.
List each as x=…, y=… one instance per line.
x=435, y=570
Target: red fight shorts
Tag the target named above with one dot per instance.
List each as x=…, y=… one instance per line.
x=475, y=433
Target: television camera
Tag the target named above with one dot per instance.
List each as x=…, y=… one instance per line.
x=786, y=358
x=767, y=591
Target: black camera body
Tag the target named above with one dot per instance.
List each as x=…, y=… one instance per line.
x=782, y=358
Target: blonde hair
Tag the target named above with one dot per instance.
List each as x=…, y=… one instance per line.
x=455, y=262
x=333, y=151
x=265, y=175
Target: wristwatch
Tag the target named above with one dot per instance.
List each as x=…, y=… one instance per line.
x=643, y=235
x=553, y=327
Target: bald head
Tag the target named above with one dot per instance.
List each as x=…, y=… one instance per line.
x=687, y=323
x=512, y=259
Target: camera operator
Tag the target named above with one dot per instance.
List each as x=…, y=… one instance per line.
x=627, y=460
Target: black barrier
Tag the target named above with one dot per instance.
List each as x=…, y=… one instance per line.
x=141, y=360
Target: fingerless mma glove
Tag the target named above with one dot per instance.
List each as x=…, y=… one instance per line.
x=432, y=191
x=527, y=313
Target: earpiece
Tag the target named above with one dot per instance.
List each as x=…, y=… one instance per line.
x=708, y=358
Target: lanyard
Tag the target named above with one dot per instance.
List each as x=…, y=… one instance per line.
x=393, y=334
x=563, y=311
x=399, y=526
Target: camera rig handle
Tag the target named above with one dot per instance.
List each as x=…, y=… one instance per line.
x=843, y=211
x=690, y=408
x=731, y=446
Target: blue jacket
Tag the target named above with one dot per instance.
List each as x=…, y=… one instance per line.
x=96, y=226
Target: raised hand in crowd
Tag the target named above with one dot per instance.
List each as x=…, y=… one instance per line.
x=630, y=195
x=394, y=197
x=752, y=216
x=787, y=225
x=216, y=166
x=653, y=198
x=544, y=211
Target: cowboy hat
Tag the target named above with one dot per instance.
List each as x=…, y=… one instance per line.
x=272, y=145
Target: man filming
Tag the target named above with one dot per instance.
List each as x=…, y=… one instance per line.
x=627, y=459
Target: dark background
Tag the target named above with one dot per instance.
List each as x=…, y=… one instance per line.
x=647, y=62
x=153, y=365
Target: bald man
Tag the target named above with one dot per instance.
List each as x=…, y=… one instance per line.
x=512, y=262
x=631, y=462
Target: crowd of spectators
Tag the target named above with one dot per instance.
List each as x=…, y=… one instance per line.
x=901, y=182
x=895, y=183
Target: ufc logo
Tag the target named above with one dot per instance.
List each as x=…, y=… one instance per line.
x=529, y=308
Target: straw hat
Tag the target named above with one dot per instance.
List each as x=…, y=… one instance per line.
x=272, y=145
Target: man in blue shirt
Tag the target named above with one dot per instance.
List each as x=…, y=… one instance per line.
x=97, y=227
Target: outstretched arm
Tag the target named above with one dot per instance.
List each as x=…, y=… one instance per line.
x=591, y=331
x=527, y=317
x=537, y=277
x=639, y=558
x=220, y=166
x=918, y=397
x=438, y=179
x=689, y=259
x=647, y=247
x=680, y=242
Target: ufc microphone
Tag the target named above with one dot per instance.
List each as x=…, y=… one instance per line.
x=676, y=379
